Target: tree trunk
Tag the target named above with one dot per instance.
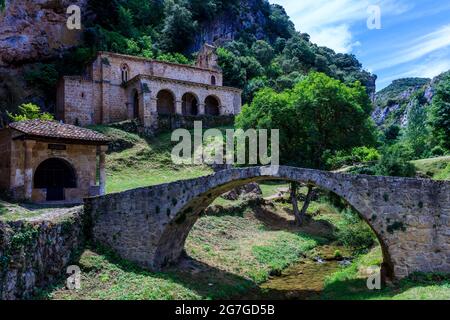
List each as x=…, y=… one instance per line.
x=308, y=199
x=297, y=214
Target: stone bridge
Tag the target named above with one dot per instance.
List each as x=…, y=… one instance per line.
x=411, y=217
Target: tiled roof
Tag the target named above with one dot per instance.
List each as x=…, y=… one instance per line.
x=57, y=130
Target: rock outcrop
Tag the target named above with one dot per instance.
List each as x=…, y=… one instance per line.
x=36, y=30
x=393, y=103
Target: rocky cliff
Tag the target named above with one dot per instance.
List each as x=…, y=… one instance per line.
x=36, y=30
x=255, y=17
x=393, y=103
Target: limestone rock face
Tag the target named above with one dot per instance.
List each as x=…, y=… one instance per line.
x=36, y=30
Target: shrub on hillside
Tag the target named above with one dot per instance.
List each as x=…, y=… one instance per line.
x=357, y=155
x=395, y=161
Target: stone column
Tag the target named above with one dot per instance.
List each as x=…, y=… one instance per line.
x=28, y=168
x=179, y=107
x=102, y=155
x=201, y=108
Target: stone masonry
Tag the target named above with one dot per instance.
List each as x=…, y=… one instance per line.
x=119, y=87
x=35, y=253
x=411, y=217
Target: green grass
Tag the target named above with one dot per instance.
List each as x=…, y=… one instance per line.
x=228, y=256
x=135, y=161
x=435, y=168
x=350, y=283
x=243, y=245
x=14, y=211
x=270, y=188
x=284, y=250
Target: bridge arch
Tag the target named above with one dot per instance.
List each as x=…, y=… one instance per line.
x=411, y=217
x=170, y=247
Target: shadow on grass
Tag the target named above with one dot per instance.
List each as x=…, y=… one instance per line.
x=275, y=222
x=206, y=281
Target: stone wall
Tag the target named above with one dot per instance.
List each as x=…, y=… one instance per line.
x=411, y=217
x=34, y=254
x=76, y=101
x=83, y=158
x=171, y=122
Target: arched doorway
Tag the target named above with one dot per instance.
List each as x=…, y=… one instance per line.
x=165, y=104
x=135, y=104
x=213, y=80
x=190, y=104
x=212, y=106
x=55, y=175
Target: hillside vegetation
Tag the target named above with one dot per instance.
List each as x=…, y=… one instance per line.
x=258, y=47
x=134, y=161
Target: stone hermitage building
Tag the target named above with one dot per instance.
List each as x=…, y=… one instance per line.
x=119, y=87
x=44, y=161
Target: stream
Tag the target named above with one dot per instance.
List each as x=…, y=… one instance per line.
x=303, y=280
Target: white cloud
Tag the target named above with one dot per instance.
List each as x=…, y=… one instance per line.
x=418, y=48
x=430, y=68
x=338, y=38
x=328, y=22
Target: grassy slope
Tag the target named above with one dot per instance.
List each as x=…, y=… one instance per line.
x=143, y=162
x=350, y=284
x=436, y=168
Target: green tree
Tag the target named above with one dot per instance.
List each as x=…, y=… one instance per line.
x=42, y=75
x=319, y=116
x=173, y=57
x=233, y=72
x=263, y=52
x=416, y=132
x=440, y=113
x=395, y=161
x=126, y=22
x=30, y=111
x=179, y=26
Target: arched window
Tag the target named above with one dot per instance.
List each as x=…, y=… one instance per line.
x=189, y=105
x=125, y=72
x=212, y=106
x=165, y=103
x=213, y=80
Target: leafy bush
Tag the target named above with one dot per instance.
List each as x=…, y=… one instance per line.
x=395, y=161
x=29, y=111
x=354, y=232
x=173, y=57
x=358, y=155
x=438, y=151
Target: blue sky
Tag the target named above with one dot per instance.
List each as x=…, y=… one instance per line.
x=414, y=39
